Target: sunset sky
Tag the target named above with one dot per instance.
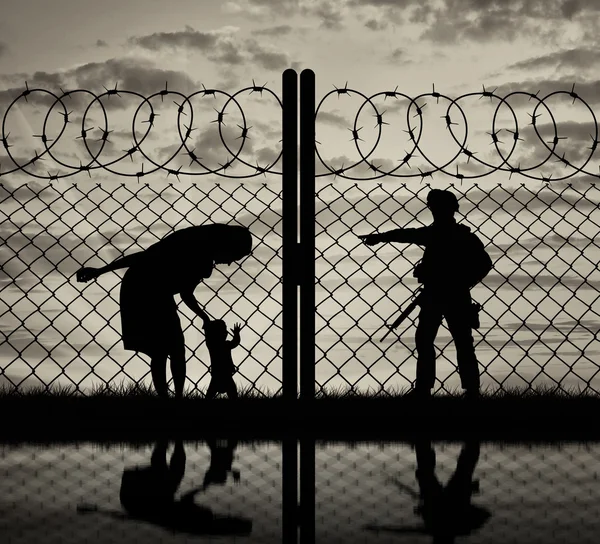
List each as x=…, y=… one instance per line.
x=374, y=45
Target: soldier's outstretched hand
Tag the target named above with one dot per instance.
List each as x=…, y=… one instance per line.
x=370, y=239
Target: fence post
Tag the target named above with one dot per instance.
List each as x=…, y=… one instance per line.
x=306, y=271
x=289, y=295
x=307, y=235
x=289, y=312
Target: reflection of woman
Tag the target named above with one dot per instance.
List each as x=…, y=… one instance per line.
x=148, y=494
x=174, y=265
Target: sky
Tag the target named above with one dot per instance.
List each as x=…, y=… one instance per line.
x=530, y=229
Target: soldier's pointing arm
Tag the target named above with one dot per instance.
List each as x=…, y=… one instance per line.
x=418, y=236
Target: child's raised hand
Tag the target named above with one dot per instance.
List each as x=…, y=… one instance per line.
x=236, y=328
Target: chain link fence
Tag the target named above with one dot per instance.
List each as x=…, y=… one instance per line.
x=541, y=308
x=540, y=315
x=56, y=331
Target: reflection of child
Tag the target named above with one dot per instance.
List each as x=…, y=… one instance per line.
x=221, y=363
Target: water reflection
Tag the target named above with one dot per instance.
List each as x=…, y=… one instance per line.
x=454, y=492
x=230, y=491
x=174, y=491
x=148, y=494
x=447, y=511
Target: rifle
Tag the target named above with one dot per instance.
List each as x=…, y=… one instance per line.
x=415, y=302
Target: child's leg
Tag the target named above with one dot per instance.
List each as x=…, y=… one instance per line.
x=211, y=393
x=232, y=390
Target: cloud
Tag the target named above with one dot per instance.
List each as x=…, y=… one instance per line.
x=280, y=30
x=269, y=59
x=3, y=49
x=132, y=74
x=221, y=47
x=101, y=43
x=587, y=90
x=332, y=118
x=457, y=21
x=329, y=13
x=577, y=58
x=188, y=39
x=397, y=55
x=374, y=24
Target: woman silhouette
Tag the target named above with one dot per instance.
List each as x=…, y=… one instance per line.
x=174, y=265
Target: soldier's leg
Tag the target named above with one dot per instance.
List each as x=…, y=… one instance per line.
x=459, y=324
x=159, y=455
x=460, y=485
x=430, y=319
x=429, y=486
x=211, y=393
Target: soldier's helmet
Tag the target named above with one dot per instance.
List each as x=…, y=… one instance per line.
x=439, y=199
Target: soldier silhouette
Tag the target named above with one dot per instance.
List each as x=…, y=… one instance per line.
x=446, y=512
x=177, y=264
x=453, y=262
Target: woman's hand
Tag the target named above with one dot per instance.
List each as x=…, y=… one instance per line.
x=87, y=274
x=236, y=328
x=371, y=239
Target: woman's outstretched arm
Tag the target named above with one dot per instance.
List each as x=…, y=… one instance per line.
x=122, y=262
x=89, y=273
x=188, y=298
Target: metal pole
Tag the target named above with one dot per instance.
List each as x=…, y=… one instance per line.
x=307, y=299
x=307, y=235
x=289, y=317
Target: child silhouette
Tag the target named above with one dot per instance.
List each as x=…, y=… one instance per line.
x=221, y=363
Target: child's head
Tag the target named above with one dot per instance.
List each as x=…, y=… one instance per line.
x=216, y=330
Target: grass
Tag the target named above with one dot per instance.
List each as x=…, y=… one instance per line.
x=131, y=411
x=142, y=391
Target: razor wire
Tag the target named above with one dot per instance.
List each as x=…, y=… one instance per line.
x=462, y=147
x=184, y=135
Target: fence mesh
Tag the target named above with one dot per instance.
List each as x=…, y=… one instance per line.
x=56, y=331
x=539, y=322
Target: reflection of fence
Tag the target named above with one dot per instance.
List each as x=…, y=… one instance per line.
x=544, y=493
x=375, y=485
x=43, y=488
x=58, y=331
x=540, y=311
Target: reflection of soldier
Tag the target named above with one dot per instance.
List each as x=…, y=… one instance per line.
x=148, y=494
x=221, y=459
x=453, y=262
x=446, y=512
